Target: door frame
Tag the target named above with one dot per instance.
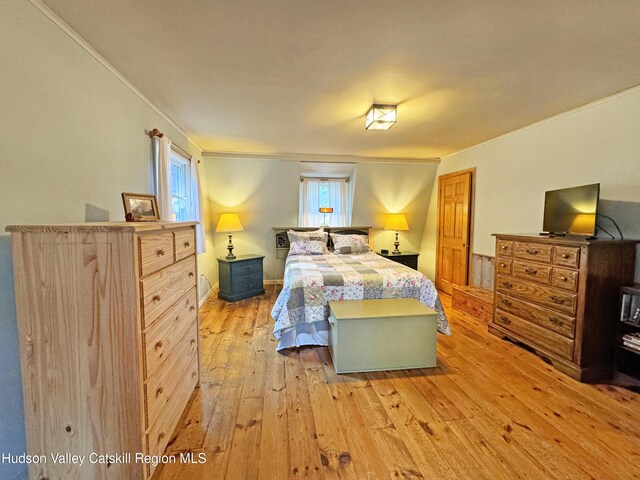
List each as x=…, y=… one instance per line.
x=472, y=211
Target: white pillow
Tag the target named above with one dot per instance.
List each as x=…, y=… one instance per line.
x=345, y=244
x=315, y=235
x=310, y=247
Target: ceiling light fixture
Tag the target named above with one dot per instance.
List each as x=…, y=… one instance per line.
x=381, y=117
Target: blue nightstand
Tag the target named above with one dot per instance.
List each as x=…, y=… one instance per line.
x=240, y=278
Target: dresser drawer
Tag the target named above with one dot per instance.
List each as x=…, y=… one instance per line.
x=185, y=243
x=247, y=282
x=156, y=252
x=159, y=434
x=566, y=279
x=503, y=265
x=566, y=256
x=532, y=271
x=162, y=289
x=534, y=334
x=544, y=317
x=504, y=247
x=547, y=296
x=163, y=335
x=161, y=386
x=247, y=267
x=533, y=251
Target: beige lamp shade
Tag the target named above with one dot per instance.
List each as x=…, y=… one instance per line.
x=229, y=222
x=396, y=222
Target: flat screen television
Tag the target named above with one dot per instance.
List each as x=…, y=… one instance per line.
x=571, y=211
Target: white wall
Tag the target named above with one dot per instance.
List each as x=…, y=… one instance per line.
x=599, y=143
x=265, y=193
x=71, y=134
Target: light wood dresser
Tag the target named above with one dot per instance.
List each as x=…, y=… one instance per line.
x=107, y=317
x=560, y=297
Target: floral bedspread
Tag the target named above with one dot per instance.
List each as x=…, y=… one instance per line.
x=310, y=281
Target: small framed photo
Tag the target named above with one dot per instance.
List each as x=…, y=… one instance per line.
x=140, y=207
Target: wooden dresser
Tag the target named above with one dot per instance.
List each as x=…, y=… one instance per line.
x=107, y=317
x=560, y=297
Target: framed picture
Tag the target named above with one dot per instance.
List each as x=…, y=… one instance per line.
x=140, y=207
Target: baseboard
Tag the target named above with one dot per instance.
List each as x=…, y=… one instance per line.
x=206, y=296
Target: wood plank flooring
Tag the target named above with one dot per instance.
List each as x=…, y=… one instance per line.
x=490, y=410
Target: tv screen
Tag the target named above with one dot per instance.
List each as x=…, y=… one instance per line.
x=571, y=210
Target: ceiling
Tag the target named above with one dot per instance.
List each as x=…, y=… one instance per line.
x=297, y=76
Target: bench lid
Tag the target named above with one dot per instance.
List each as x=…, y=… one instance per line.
x=382, y=307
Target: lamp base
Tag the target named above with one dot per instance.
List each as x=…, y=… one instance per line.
x=230, y=256
x=396, y=244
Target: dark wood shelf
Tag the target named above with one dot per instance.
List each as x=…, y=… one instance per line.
x=624, y=322
x=629, y=349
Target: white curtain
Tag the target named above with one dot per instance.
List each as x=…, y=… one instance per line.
x=338, y=197
x=197, y=207
x=162, y=156
x=308, y=215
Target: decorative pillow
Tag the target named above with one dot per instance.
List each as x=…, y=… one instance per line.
x=316, y=235
x=343, y=244
x=309, y=247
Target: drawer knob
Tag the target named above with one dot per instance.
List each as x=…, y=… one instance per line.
x=555, y=321
x=159, y=344
x=192, y=308
x=161, y=436
x=193, y=374
x=505, y=320
x=187, y=244
x=565, y=255
x=506, y=302
x=531, y=271
x=503, y=265
x=191, y=274
x=507, y=284
x=503, y=247
x=156, y=298
x=532, y=251
x=558, y=300
x=563, y=278
x=193, y=341
x=160, y=252
x=159, y=391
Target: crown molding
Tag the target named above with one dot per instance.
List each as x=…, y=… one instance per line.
x=319, y=157
x=51, y=15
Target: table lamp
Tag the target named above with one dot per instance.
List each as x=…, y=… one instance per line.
x=324, y=211
x=229, y=222
x=396, y=222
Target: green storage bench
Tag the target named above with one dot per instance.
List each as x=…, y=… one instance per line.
x=382, y=334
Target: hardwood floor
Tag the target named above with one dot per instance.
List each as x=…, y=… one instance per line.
x=490, y=410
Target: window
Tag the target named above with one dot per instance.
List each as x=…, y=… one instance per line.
x=316, y=193
x=180, y=187
x=324, y=184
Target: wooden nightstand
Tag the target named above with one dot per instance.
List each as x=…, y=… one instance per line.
x=240, y=278
x=410, y=259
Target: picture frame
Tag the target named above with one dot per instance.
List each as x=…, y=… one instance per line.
x=140, y=207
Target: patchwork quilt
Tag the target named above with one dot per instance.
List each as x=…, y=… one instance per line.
x=310, y=281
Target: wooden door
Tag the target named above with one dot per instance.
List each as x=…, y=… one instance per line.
x=455, y=193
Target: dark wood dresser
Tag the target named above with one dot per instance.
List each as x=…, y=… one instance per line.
x=240, y=278
x=560, y=297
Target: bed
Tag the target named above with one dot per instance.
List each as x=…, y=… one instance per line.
x=310, y=281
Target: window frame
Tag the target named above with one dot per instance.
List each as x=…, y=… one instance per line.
x=180, y=161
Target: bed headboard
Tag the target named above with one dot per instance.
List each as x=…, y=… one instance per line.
x=282, y=240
